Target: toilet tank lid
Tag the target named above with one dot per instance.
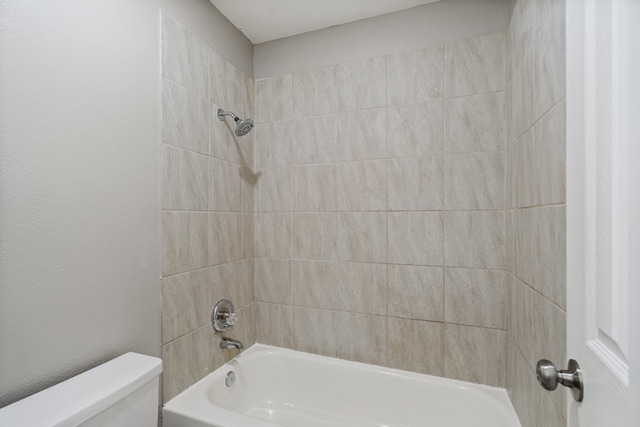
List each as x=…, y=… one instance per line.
x=77, y=399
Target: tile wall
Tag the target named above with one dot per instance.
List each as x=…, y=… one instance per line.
x=536, y=207
x=380, y=225
x=207, y=206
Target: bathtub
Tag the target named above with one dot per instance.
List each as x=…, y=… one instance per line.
x=279, y=387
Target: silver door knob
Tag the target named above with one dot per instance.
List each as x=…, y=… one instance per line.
x=549, y=377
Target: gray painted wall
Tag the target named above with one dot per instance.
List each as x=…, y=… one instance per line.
x=79, y=188
x=410, y=29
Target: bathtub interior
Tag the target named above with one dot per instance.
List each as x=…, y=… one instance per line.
x=289, y=388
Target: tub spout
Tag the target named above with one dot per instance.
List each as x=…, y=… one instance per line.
x=227, y=342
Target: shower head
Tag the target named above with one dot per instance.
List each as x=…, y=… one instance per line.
x=243, y=126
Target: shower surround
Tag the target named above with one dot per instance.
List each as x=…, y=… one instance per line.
x=380, y=210
x=405, y=210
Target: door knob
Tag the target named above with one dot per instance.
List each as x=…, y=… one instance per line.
x=549, y=377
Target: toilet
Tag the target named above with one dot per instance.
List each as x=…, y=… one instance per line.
x=122, y=392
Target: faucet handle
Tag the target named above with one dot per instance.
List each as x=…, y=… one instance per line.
x=232, y=319
x=223, y=317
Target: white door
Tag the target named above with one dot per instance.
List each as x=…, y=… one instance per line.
x=603, y=209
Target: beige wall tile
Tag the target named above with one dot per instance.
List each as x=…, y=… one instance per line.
x=549, y=161
x=475, y=354
x=549, y=54
x=184, y=57
x=416, y=238
x=225, y=237
x=416, y=130
x=248, y=241
x=314, y=236
x=523, y=94
x=522, y=31
x=313, y=331
x=248, y=185
x=314, y=140
x=314, y=284
x=273, y=280
x=248, y=98
x=416, y=76
x=274, y=325
x=362, y=237
x=273, y=143
x=186, y=303
x=415, y=345
x=541, y=250
x=540, y=161
x=186, y=360
x=272, y=233
x=511, y=249
x=185, y=118
x=362, y=135
x=273, y=190
x=249, y=314
x=185, y=179
x=476, y=297
x=475, y=123
x=524, y=179
x=362, y=186
x=474, y=66
x=274, y=98
x=361, y=337
x=185, y=244
x=225, y=83
x=227, y=281
x=226, y=186
x=474, y=181
x=249, y=287
x=315, y=92
x=314, y=188
x=223, y=144
x=361, y=287
x=475, y=239
x=521, y=320
x=551, y=250
x=416, y=292
x=244, y=148
x=523, y=389
x=416, y=184
x=362, y=84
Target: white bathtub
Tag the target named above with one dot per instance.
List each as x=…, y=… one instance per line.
x=279, y=387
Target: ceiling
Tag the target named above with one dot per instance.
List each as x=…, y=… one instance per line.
x=266, y=20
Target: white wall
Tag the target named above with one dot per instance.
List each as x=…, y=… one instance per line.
x=444, y=21
x=79, y=187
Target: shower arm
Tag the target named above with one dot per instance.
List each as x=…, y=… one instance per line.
x=222, y=113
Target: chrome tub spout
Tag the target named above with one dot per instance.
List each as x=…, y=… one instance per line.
x=227, y=342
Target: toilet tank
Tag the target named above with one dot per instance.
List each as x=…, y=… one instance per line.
x=122, y=392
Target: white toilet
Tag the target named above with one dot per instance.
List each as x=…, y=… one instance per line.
x=122, y=392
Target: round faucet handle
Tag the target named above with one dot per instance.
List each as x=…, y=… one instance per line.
x=232, y=319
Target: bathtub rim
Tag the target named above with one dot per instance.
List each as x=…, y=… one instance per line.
x=184, y=405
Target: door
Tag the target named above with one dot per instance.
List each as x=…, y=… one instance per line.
x=603, y=209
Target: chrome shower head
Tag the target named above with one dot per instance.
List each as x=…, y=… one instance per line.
x=243, y=126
